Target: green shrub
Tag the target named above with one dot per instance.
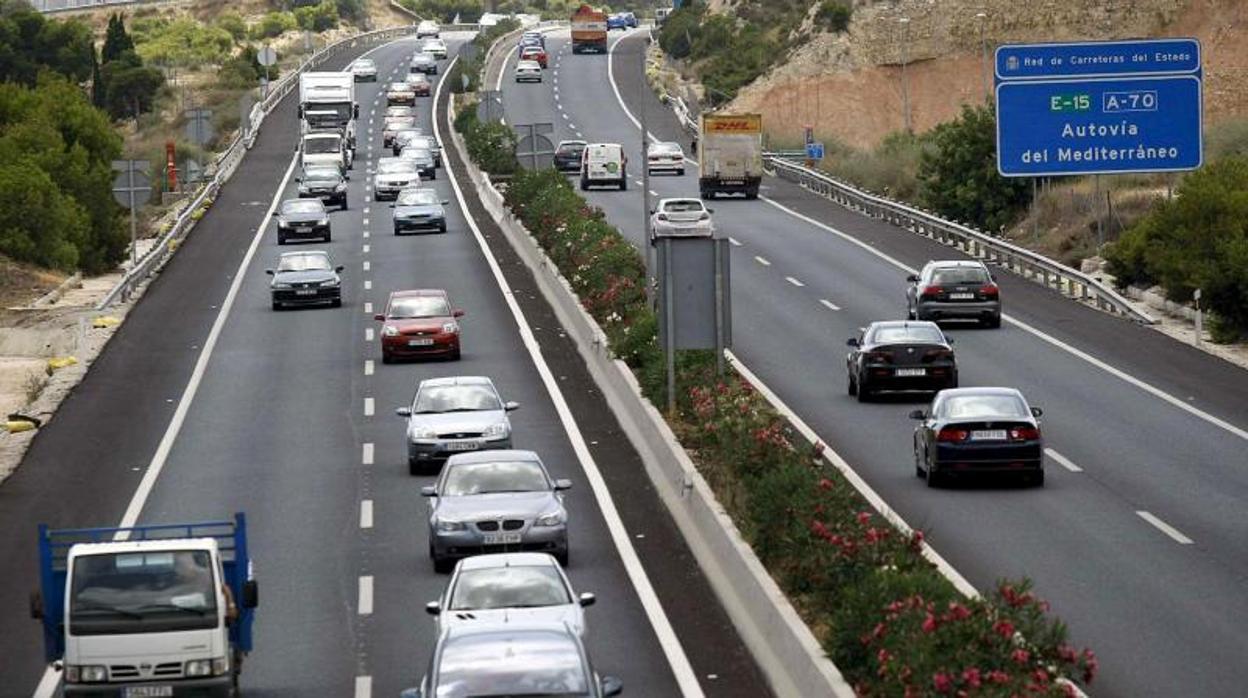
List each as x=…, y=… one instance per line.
x=233, y=23
x=959, y=177
x=491, y=145
x=274, y=24
x=317, y=18
x=834, y=15
x=183, y=42
x=29, y=44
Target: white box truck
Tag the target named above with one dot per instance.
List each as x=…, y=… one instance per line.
x=327, y=103
x=730, y=155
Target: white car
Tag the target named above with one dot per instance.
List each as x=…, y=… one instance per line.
x=528, y=71
x=426, y=28
x=435, y=48
x=681, y=217
x=509, y=588
x=665, y=157
x=393, y=174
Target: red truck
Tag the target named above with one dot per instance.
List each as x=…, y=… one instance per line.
x=589, y=30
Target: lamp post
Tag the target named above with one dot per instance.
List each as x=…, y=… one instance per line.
x=905, y=86
x=983, y=54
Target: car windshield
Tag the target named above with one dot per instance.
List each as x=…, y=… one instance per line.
x=959, y=275
x=392, y=112
x=365, y=64
x=320, y=146
x=395, y=167
x=399, y=87
x=303, y=206
x=156, y=590
x=466, y=479
x=417, y=78
x=571, y=148
x=456, y=398
x=419, y=306
x=905, y=335
x=522, y=586
x=686, y=206
x=665, y=148
x=305, y=261
x=418, y=197
x=982, y=406
x=418, y=154
x=538, y=663
x=322, y=174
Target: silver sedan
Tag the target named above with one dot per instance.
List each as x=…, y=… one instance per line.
x=454, y=415
x=506, y=587
x=494, y=502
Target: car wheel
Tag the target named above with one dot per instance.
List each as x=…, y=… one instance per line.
x=919, y=472
x=624, y=184
x=584, y=184
x=433, y=175
x=281, y=239
x=443, y=566
x=386, y=358
x=864, y=392
x=933, y=480
x=413, y=468
x=681, y=172
x=344, y=203
x=456, y=356
x=563, y=558
x=993, y=322
x=1037, y=479
x=277, y=306
x=337, y=303
x=442, y=229
x=329, y=237
x=851, y=386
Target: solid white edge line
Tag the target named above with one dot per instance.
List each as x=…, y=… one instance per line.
x=366, y=513
x=1165, y=528
x=365, y=607
x=366, y=454
x=667, y=638
x=370, y=406
x=1062, y=460
x=794, y=281
x=735, y=242
x=363, y=687
x=1078, y=353
x=829, y=304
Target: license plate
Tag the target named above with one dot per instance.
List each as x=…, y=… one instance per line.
x=419, y=342
x=910, y=372
x=147, y=691
x=470, y=445
x=500, y=538
x=306, y=228
x=961, y=296
x=988, y=435
x=305, y=292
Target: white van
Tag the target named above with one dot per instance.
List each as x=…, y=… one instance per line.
x=604, y=164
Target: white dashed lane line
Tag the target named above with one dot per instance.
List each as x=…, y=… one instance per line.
x=363, y=687
x=653, y=193
x=762, y=261
x=1062, y=461
x=1165, y=528
x=794, y=281
x=571, y=125
x=735, y=242
x=366, y=221
x=368, y=284
x=366, y=249
x=368, y=308
x=366, y=454
x=368, y=334
x=829, y=304
x=366, y=595
x=367, y=266
x=366, y=513
x=370, y=406
x=369, y=367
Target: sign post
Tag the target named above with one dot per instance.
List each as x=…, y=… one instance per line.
x=266, y=57
x=132, y=188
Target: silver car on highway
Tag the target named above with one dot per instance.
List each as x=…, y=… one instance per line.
x=494, y=502
x=510, y=587
x=454, y=415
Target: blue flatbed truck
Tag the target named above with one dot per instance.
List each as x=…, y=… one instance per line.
x=150, y=611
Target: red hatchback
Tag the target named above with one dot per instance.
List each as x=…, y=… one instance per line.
x=533, y=53
x=419, y=323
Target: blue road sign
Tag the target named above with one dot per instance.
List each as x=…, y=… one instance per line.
x=814, y=151
x=1098, y=59
x=1099, y=108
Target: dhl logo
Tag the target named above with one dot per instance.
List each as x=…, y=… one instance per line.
x=734, y=124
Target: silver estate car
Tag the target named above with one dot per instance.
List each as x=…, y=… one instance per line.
x=454, y=415
x=495, y=502
x=512, y=659
x=510, y=587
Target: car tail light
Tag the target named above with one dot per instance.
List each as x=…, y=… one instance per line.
x=931, y=291
x=990, y=290
x=937, y=354
x=952, y=435
x=878, y=357
x=1024, y=434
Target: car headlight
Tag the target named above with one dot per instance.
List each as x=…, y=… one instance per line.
x=86, y=673
x=418, y=432
x=496, y=431
x=280, y=284
x=448, y=526
x=341, y=186
x=329, y=284
x=303, y=189
x=323, y=221
x=552, y=518
x=450, y=327
x=198, y=667
x=704, y=217
x=389, y=331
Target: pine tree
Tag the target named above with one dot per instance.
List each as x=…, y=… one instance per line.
x=116, y=40
x=98, y=98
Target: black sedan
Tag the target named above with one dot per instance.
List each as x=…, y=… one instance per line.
x=325, y=183
x=304, y=219
x=978, y=430
x=900, y=356
x=305, y=278
x=425, y=164
x=568, y=155
x=419, y=209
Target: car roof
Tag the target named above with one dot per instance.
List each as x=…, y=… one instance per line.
x=571, y=142
x=301, y=200
x=981, y=390
x=682, y=200
x=528, y=64
x=300, y=253
x=399, y=84
x=878, y=324
x=492, y=456
x=414, y=292
x=951, y=263
x=457, y=380
x=500, y=560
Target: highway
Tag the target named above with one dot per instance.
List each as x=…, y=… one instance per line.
x=1140, y=537
x=208, y=402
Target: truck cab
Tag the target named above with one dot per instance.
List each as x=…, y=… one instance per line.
x=327, y=103
x=147, y=611
x=325, y=149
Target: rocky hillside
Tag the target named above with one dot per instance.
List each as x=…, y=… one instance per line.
x=832, y=80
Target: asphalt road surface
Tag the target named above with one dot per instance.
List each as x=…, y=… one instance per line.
x=292, y=422
x=1140, y=537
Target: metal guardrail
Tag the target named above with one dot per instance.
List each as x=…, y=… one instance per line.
x=1020, y=260
x=54, y=6
x=228, y=162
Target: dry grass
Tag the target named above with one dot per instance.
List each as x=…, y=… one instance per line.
x=22, y=283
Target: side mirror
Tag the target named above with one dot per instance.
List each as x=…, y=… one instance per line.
x=949, y=341
x=298, y=179
x=918, y=414
x=347, y=177
x=563, y=484
x=36, y=605
x=428, y=491
x=851, y=342
x=339, y=268
x=511, y=406
x=913, y=278
x=710, y=210
x=433, y=608
x=458, y=313
x=404, y=411
x=380, y=317
x=355, y=112
x=269, y=272
x=251, y=594
x=446, y=202
x=588, y=599
x=1036, y=411
x=612, y=686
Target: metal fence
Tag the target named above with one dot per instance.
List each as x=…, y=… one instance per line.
x=51, y=6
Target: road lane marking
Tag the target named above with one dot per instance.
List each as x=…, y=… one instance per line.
x=365, y=607
x=1165, y=528
x=365, y=221
x=366, y=210
x=363, y=687
x=1062, y=461
x=364, y=234
x=368, y=334
x=683, y=672
x=367, y=265
x=653, y=193
x=794, y=281
x=370, y=406
x=368, y=284
x=366, y=513
x=735, y=242
x=762, y=261
x=368, y=308
x=367, y=249
x=829, y=304
x=571, y=125
x=369, y=367
x=366, y=454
